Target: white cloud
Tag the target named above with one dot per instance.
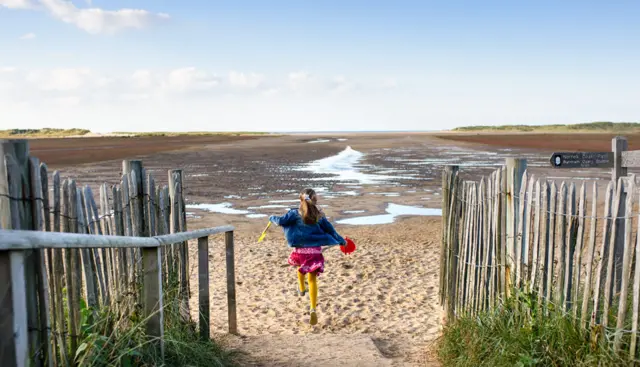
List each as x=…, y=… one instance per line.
x=340, y=84
x=390, y=83
x=142, y=79
x=250, y=80
x=190, y=79
x=17, y=4
x=28, y=36
x=299, y=79
x=74, y=96
x=271, y=92
x=96, y=20
x=66, y=102
x=92, y=20
x=62, y=79
x=134, y=97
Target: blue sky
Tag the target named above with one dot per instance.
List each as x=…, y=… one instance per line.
x=330, y=65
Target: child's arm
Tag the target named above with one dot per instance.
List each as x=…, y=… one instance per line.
x=283, y=220
x=328, y=228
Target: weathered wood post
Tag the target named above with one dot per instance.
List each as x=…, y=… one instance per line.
x=42, y=281
x=453, y=243
x=625, y=274
x=203, y=286
x=152, y=296
x=181, y=252
x=619, y=145
x=448, y=176
x=231, y=283
x=135, y=172
x=515, y=168
x=14, y=344
x=501, y=241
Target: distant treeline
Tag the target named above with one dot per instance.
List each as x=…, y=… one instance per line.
x=61, y=133
x=190, y=133
x=601, y=126
x=46, y=132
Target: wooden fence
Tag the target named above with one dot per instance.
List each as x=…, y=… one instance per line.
x=100, y=260
x=512, y=233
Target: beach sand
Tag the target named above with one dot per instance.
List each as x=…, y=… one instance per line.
x=386, y=291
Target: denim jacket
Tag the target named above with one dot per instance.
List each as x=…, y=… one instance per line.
x=300, y=234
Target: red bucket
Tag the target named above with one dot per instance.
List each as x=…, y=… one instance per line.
x=349, y=247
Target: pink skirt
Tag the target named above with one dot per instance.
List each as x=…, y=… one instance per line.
x=307, y=259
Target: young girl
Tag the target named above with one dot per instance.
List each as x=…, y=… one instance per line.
x=306, y=230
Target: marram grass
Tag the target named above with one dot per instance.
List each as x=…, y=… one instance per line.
x=112, y=337
x=524, y=336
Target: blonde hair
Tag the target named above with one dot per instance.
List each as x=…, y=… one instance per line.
x=311, y=214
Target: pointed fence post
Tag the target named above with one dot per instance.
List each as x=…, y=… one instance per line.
x=14, y=343
x=514, y=169
x=448, y=176
x=619, y=144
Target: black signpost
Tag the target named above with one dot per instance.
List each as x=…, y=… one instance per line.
x=583, y=160
x=618, y=159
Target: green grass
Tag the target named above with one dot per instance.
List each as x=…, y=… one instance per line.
x=610, y=127
x=524, y=336
x=116, y=337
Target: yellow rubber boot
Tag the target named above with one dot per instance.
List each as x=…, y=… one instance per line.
x=301, y=289
x=313, y=297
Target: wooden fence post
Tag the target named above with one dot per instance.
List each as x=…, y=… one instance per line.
x=447, y=185
x=501, y=244
x=452, y=235
x=42, y=290
x=182, y=250
x=619, y=144
x=609, y=290
x=152, y=296
x=136, y=166
x=625, y=275
x=14, y=344
x=21, y=212
x=515, y=168
x=231, y=283
x=203, y=286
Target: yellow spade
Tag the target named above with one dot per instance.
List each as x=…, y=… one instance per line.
x=264, y=233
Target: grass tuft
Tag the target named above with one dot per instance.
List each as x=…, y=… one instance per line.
x=523, y=336
x=115, y=336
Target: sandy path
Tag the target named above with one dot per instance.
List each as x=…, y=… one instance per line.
x=387, y=293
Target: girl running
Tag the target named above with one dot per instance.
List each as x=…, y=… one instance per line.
x=306, y=230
